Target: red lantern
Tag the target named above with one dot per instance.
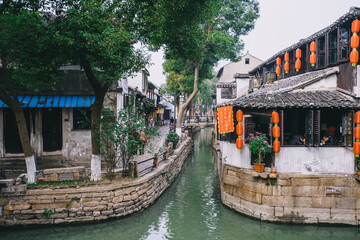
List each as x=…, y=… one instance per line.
x=313, y=59
x=354, y=41
x=276, y=131
x=278, y=70
x=298, y=53
x=286, y=67
x=357, y=118
x=239, y=143
x=355, y=26
x=354, y=57
x=286, y=57
x=313, y=46
x=357, y=132
x=357, y=148
x=297, y=65
x=278, y=61
x=239, y=129
x=239, y=116
x=276, y=146
x=275, y=117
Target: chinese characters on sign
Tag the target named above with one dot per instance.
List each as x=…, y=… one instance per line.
x=225, y=118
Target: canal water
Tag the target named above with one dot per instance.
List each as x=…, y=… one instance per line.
x=190, y=209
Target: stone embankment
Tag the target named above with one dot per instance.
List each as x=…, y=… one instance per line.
x=59, y=205
x=298, y=198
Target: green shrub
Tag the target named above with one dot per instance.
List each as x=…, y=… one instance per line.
x=172, y=137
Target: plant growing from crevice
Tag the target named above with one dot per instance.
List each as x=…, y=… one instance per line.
x=46, y=213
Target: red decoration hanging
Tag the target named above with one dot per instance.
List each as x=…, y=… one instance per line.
x=278, y=69
x=354, y=43
x=276, y=132
x=298, y=61
x=357, y=134
x=286, y=64
x=239, y=129
x=313, y=55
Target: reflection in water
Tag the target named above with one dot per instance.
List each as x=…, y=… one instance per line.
x=190, y=209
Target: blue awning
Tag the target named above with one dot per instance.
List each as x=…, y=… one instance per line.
x=53, y=101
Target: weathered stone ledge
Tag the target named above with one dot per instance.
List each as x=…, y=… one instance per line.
x=92, y=203
x=296, y=198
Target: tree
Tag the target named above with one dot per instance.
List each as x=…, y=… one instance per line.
x=205, y=32
x=120, y=135
x=29, y=61
x=100, y=36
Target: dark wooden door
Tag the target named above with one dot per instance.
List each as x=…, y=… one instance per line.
x=52, y=129
x=11, y=132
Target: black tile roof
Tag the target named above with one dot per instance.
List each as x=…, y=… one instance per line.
x=353, y=13
x=287, y=93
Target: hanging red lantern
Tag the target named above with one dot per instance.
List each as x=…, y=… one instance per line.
x=354, y=55
x=297, y=65
x=239, y=143
x=276, y=146
x=357, y=148
x=355, y=26
x=313, y=46
x=239, y=116
x=275, y=117
x=313, y=55
x=286, y=64
x=357, y=132
x=278, y=70
x=278, y=61
x=357, y=117
x=286, y=67
x=276, y=131
x=354, y=43
x=286, y=57
x=298, y=53
x=239, y=129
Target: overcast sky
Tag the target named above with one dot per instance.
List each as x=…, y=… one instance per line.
x=281, y=24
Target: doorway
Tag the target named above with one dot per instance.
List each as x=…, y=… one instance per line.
x=52, y=129
x=11, y=131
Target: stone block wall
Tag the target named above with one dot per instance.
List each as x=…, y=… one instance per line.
x=294, y=198
x=92, y=203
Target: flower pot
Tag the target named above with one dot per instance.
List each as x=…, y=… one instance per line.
x=259, y=167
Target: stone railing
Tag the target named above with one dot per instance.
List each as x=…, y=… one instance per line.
x=66, y=204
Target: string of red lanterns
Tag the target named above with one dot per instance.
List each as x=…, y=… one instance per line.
x=313, y=55
x=357, y=134
x=239, y=129
x=286, y=64
x=278, y=69
x=276, y=132
x=298, y=61
x=354, y=42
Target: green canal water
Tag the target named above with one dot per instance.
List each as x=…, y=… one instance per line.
x=190, y=209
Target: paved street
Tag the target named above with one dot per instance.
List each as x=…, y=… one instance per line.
x=153, y=146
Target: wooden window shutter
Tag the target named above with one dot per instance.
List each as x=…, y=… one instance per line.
x=309, y=116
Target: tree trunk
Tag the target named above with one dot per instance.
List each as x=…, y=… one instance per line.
x=14, y=105
x=96, y=108
x=188, y=101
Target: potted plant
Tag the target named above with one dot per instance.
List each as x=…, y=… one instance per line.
x=358, y=171
x=259, y=145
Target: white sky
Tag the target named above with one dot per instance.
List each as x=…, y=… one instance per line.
x=281, y=24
